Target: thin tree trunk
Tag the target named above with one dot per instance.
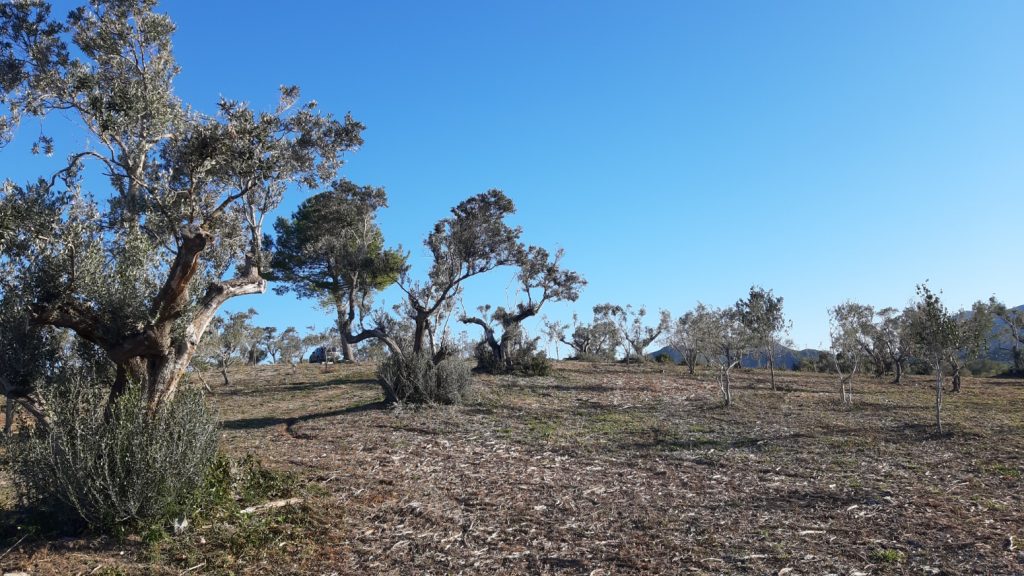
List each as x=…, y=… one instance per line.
x=771, y=367
x=726, y=391
x=938, y=399
x=224, y=373
x=203, y=380
x=899, y=372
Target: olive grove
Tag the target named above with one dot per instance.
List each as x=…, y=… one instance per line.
x=139, y=266
x=594, y=341
x=634, y=333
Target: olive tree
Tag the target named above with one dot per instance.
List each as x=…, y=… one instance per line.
x=290, y=346
x=309, y=341
x=474, y=240
x=882, y=338
x=1011, y=327
x=761, y=314
x=686, y=335
x=971, y=337
x=140, y=267
x=872, y=342
x=934, y=332
x=847, y=323
x=541, y=279
x=554, y=331
x=228, y=342
x=332, y=249
x=595, y=341
x=632, y=330
x=891, y=335
x=253, y=349
x=723, y=340
x=270, y=343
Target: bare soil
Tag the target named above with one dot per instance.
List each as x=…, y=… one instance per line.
x=600, y=469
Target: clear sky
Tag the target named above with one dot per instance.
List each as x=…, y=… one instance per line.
x=678, y=151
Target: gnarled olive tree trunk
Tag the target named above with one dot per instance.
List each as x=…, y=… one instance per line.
x=157, y=356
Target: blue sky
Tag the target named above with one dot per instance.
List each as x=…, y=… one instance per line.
x=678, y=151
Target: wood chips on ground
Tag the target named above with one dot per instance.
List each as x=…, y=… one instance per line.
x=600, y=470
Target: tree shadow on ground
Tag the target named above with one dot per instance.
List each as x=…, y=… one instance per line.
x=272, y=389
x=921, y=432
x=290, y=421
x=818, y=499
x=578, y=387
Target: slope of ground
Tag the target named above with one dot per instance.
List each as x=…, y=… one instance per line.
x=603, y=469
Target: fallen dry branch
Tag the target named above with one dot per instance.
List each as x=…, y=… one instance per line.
x=271, y=505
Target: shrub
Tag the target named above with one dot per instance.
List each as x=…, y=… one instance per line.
x=119, y=470
x=416, y=378
x=522, y=357
x=521, y=362
x=534, y=364
x=888, y=556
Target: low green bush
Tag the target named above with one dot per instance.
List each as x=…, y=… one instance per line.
x=417, y=379
x=521, y=356
x=116, y=470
